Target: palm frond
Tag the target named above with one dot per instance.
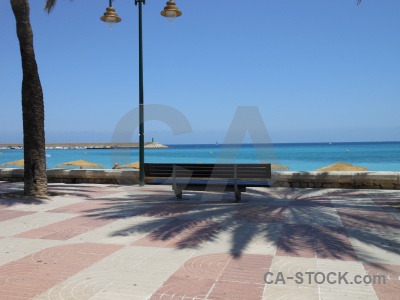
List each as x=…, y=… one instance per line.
x=49, y=5
x=359, y=2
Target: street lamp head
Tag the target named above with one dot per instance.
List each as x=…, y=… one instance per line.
x=171, y=11
x=110, y=17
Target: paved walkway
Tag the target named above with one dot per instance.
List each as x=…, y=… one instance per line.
x=129, y=242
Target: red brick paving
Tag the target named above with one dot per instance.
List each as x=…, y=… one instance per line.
x=34, y=274
x=368, y=219
x=248, y=268
x=217, y=276
x=8, y=214
x=83, y=207
x=180, y=233
x=66, y=229
x=87, y=191
x=211, y=276
x=333, y=243
x=315, y=241
x=261, y=213
x=311, y=201
x=389, y=289
x=176, y=288
x=208, y=266
x=236, y=290
x=296, y=240
x=173, y=209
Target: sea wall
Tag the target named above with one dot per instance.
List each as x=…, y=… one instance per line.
x=106, y=176
x=351, y=180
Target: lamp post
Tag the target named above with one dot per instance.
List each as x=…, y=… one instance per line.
x=170, y=11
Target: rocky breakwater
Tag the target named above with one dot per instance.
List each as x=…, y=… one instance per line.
x=155, y=145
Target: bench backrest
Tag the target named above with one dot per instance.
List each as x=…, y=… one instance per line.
x=238, y=171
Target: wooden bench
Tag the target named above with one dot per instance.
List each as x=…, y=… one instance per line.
x=209, y=177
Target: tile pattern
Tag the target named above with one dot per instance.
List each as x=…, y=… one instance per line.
x=180, y=233
x=315, y=241
x=385, y=280
x=129, y=242
x=66, y=229
x=34, y=274
x=7, y=214
x=217, y=276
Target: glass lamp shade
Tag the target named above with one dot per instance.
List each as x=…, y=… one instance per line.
x=171, y=11
x=110, y=17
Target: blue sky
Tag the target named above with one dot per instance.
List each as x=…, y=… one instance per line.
x=316, y=70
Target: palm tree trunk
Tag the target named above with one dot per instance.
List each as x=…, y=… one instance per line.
x=35, y=179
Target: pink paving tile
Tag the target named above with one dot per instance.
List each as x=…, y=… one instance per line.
x=180, y=233
x=208, y=266
x=315, y=241
x=173, y=209
x=195, y=235
x=101, y=194
x=388, y=288
x=347, y=193
x=296, y=231
x=34, y=274
x=333, y=243
x=261, y=213
x=381, y=219
x=83, y=207
x=236, y=290
x=296, y=240
x=176, y=288
x=296, y=252
x=75, y=189
x=66, y=234
x=65, y=229
x=247, y=268
x=164, y=234
x=368, y=219
x=217, y=276
x=314, y=201
x=335, y=250
x=8, y=214
x=386, y=203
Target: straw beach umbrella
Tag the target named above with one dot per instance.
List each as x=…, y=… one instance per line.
x=279, y=167
x=134, y=165
x=276, y=166
x=19, y=163
x=341, y=166
x=81, y=164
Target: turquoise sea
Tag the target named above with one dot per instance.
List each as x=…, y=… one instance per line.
x=376, y=156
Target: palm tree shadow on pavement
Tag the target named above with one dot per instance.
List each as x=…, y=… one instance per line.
x=286, y=222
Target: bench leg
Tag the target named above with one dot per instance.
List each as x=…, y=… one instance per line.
x=238, y=196
x=178, y=194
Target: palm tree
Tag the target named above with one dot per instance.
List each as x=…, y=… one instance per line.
x=50, y=5
x=35, y=179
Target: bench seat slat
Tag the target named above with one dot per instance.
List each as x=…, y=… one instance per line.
x=218, y=177
x=211, y=182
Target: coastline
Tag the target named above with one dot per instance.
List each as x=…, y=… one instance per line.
x=105, y=145
x=299, y=157
x=89, y=145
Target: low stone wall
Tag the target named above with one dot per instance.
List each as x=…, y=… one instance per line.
x=78, y=176
x=351, y=180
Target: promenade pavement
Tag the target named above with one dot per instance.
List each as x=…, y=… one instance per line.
x=89, y=241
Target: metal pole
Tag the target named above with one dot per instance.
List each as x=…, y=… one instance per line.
x=141, y=97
